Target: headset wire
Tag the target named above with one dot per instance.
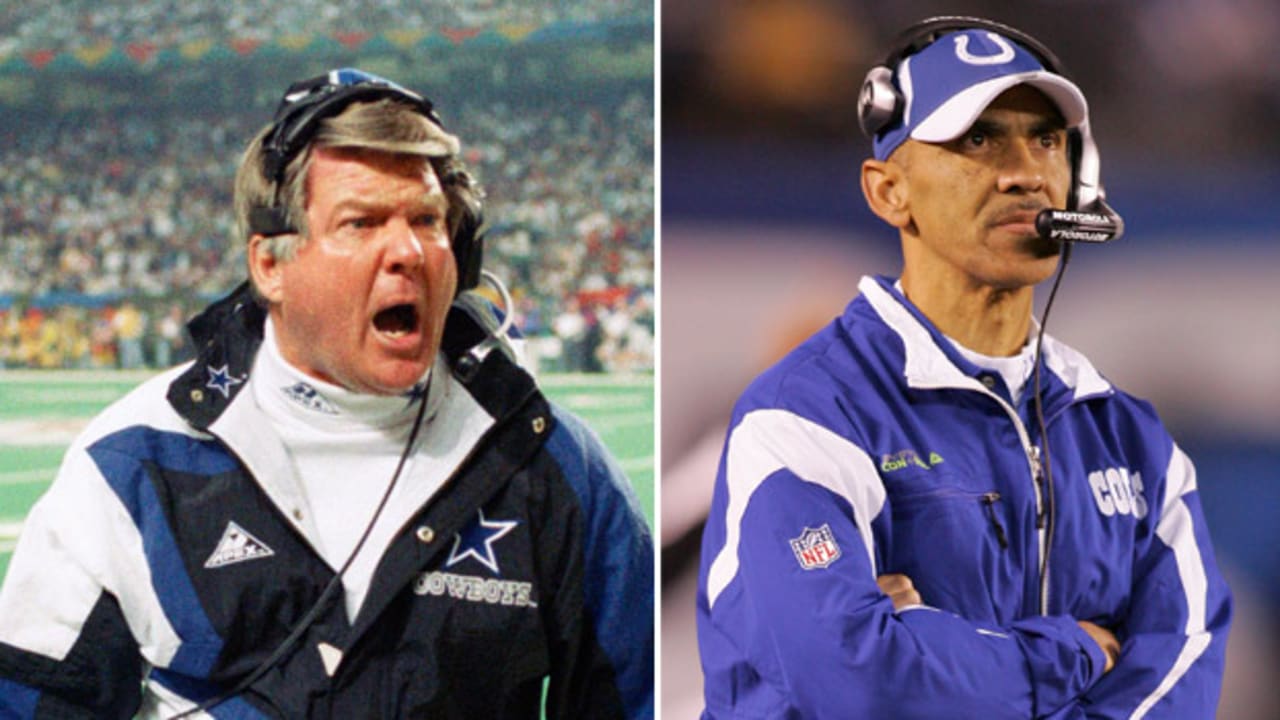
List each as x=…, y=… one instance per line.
x=1046, y=462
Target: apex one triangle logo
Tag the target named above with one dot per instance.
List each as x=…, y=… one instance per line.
x=237, y=545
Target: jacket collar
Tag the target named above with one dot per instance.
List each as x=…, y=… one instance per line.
x=226, y=336
x=931, y=362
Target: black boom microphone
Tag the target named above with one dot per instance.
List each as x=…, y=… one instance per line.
x=1079, y=226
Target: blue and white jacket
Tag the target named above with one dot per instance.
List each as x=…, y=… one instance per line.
x=172, y=555
x=876, y=448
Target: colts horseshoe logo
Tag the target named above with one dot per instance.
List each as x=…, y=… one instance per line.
x=1004, y=56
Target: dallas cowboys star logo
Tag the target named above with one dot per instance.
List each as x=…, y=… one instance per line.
x=477, y=540
x=220, y=379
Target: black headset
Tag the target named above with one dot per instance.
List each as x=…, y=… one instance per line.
x=309, y=102
x=880, y=107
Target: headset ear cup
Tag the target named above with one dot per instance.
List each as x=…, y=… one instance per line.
x=466, y=221
x=468, y=248
x=879, y=102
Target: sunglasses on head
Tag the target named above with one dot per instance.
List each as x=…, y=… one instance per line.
x=305, y=104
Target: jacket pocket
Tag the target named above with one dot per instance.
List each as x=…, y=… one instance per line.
x=953, y=543
x=952, y=500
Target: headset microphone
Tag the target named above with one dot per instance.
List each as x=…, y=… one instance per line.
x=467, y=365
x=1079, y=226
x=1089, y=218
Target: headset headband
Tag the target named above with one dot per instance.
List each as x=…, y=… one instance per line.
x=925, y=33
x=306, y=103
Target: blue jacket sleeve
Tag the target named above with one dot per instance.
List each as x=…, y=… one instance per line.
x=1174, y=640
x=617, y=576
x=792, y=622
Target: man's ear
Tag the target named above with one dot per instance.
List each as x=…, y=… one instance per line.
x=265, y=269
x=885, y=187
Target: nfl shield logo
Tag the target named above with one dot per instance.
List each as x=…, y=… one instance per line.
x=815, y=548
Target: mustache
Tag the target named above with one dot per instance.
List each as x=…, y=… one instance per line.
x=1024, y=211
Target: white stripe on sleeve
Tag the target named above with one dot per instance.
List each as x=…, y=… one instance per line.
x=1175, y=529
x=769, y=440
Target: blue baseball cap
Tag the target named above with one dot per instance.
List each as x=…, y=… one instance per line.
x=947, y=85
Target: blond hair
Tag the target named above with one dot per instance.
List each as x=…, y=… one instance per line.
x=384, y=125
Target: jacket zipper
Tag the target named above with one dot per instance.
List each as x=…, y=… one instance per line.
x=1044, y=524
x=1037, y=471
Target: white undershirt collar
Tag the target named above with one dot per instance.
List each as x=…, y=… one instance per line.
x=1015, y=369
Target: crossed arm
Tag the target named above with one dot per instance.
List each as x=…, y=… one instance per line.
x=903, y=593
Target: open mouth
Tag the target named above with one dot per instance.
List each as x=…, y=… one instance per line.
x=397, y=320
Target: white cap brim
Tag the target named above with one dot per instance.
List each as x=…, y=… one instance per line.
x=957, y=115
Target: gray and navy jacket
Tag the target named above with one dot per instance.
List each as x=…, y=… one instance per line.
x=163, y=565
x=876, y=448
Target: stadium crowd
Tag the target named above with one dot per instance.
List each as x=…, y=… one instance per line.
x=115, y=227
x=64, y=26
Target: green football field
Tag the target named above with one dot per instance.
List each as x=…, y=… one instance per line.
x=41, y=412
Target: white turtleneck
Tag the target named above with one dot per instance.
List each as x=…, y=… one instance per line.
x=345, y=446
x=1015, y=369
